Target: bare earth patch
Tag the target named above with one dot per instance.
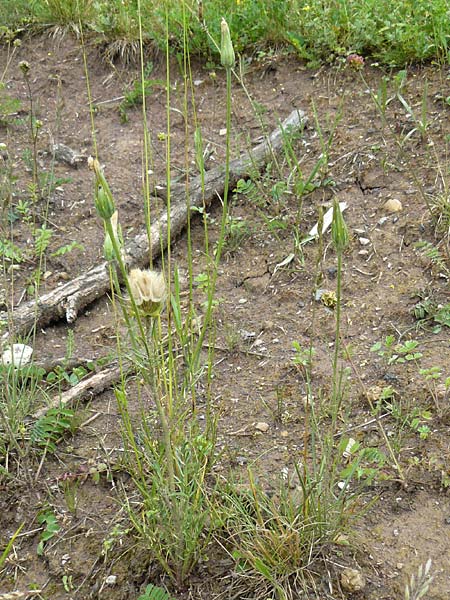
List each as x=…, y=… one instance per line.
x=266, y=289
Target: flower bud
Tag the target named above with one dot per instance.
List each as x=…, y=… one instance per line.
x=108, y=247
x=339, y=231
x=104, y=203
x=355, y=61
x=24, y=66
x=227, y=56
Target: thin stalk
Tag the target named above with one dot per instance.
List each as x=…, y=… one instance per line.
x=159, y=406
x=337, y=340
x=147, y=144
x=220, y=242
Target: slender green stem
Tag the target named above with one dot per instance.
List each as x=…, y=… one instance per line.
x=220, y=242
x=336, y=386
x=148, y=350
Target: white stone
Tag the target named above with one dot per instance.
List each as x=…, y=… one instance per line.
x=19, y=355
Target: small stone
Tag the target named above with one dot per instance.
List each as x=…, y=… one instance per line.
x=284, y=433
x=223, y=131
x=382, y=221
x=263, y=427
x=331, y=271
x=392, y=206
x=352, y=580
x=111, y=580
x=349, y=448
x=247, y=336
x=318, y=294
x=243, y=300
x=364, y=241
x=18, y=355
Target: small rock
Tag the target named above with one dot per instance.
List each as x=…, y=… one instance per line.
x=247, y=336
x=284, y=433
x=364, y=241
x=332, y=271
x=63, y=153
x=352, y=580
x=223, y=131
x=111, y=580
x=263, y=427
x=19, y=355
x=348, y=449
x=318, y=294
x=392, y=206
x=382, y=221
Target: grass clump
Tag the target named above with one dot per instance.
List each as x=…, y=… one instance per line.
x=278, y=539
x=317, y=31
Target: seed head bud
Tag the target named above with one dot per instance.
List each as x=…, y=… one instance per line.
x=108, y=247
x=227, y=56
x=24, y=66
x=339, y=231
x=149, y=291
x=104, y=203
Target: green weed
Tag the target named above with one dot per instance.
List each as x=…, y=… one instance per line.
x=51, y=427
x=316, y=31
x=396, y=353
x=153, y=592
x=51, y=527
x=140, y=89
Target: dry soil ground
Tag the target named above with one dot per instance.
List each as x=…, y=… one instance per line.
x=264, y=306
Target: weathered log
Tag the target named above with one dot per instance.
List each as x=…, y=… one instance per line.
x=90, y=386
x=68, y=299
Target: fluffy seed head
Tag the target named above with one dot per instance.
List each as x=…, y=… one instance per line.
x=148, y=289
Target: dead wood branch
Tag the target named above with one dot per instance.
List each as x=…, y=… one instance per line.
x=67, y=300
x=90, y=386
